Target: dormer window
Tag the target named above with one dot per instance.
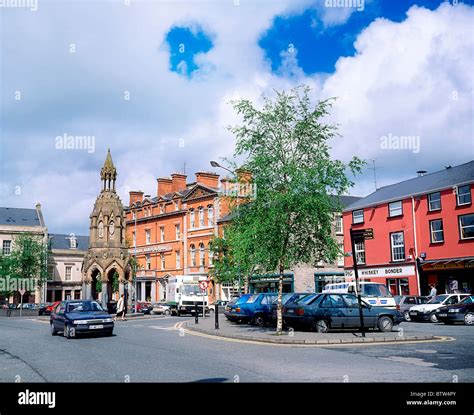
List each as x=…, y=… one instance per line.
x=162, y=209
x=72, y=241
x=176, y=205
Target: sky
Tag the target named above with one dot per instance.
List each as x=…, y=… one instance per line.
x=153, y=81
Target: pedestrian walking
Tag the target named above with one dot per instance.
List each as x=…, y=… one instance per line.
x=433, y=290
x=120, y=308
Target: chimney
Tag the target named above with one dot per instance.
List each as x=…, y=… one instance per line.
x=135, y=196
x=244, y=175
x=421, y=173
x=207, y=179
x=178, y=182
x=40, y=214
x=164, y=186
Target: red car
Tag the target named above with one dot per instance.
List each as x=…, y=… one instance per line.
x=50, y=308
x=144, y=307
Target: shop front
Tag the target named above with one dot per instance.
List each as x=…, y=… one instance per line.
x=269, y=283
x=449, y=276
x=399, y=279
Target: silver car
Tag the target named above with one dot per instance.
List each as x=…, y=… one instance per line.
x=161, y=308
x=404, y=302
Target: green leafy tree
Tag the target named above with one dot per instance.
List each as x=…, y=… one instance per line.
x=286, y=148
x=28, y=260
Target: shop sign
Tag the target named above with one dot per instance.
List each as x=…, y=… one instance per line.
x=389, y=271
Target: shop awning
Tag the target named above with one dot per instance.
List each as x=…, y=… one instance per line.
x=448, y=263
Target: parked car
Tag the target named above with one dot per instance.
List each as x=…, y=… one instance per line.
x=462, y=312
x=233, y=310
x=256, y=310
x=427, y=312
x=161, y=308
x=322, y=312
x=75, y=317
x=287, y=299
x=42, y=308
x=52, y=306
x=27, y=306
x=143, y=307
x=404, y=302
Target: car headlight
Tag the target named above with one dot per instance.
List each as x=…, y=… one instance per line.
x=453, y=310
x=80, y=322
x=108, y=320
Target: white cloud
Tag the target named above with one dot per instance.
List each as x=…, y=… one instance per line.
x=401, y=81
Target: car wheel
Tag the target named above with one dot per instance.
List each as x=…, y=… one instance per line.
x=54, y=332
x=385, y=324
x=469, y=319
x=406, y=316
x=433, y=318
x=321, y=326
x=167, y=312
x=68, y=332
x=258, y=320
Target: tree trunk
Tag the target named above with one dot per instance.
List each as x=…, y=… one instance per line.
x=279, y=302
x=246, y=284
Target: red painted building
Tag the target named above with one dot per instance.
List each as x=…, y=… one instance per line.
x=423, y=233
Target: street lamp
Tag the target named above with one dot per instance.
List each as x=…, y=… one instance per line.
x=216, y=164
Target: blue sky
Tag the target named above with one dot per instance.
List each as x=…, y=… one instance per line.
x=153, y=81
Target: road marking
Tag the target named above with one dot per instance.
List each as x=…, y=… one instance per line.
x=426, y=351
x=229, y=339
x=162, y=328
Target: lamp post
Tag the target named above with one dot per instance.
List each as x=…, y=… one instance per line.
x=216, y=164
x=136, y=263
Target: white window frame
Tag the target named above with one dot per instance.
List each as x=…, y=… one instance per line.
x=202, y=255
x=192, y=219
x=433, y=232
x=210, y=215
x=354, y=221
x=7, y=247
x=163, y=261
x=177, y=229
x=393, y=247
x=462, y=227
x=359, y=253
x=340, y=257
x=178, y=259
x=430, y=208
x=392, y=209
x=338, y=228
x=162, y=233
x=147, y=236
x=148, y=262
x=201, y=216
x=192, y=250
x=176, y=205
x=162, y=208
x=68, y=273
x=463, y=194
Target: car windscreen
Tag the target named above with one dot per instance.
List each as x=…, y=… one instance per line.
x=468, y=300
x=252, y=299
x=307, y=299
x=84, y=307
x=242, y=299
x=375, y=290
x=438, y=299
x=191, y=289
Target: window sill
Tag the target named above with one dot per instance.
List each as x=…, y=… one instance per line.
x=395, y=216
x=463, y=205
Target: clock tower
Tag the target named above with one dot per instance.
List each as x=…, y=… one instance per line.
x=106, y=268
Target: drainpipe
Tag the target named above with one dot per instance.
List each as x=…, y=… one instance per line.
x=416, y=244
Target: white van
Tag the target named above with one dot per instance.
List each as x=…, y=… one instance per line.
x=374, y=293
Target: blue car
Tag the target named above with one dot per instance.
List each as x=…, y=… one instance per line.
x=80, y=316
x=256, y=309
x=287, y=299
x=233, y=310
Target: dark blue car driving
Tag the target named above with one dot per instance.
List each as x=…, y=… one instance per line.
x=80, y=316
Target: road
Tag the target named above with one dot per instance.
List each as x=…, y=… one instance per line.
x=153, y=350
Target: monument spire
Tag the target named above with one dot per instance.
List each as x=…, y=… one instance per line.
x=108, y=174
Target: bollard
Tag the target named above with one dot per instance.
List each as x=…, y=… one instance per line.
x=196, y=313
x=216, y=316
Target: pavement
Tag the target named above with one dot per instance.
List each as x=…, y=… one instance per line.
x=268, y=334
x=162, y=349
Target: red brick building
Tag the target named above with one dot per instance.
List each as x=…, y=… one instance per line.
x=171, y=233
x=423, y=233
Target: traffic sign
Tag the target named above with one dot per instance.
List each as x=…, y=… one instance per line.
x=203, y=285
x=22, y=292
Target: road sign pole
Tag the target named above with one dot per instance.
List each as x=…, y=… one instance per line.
x=196, y=313
x=356, y=274
x=216, y=316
